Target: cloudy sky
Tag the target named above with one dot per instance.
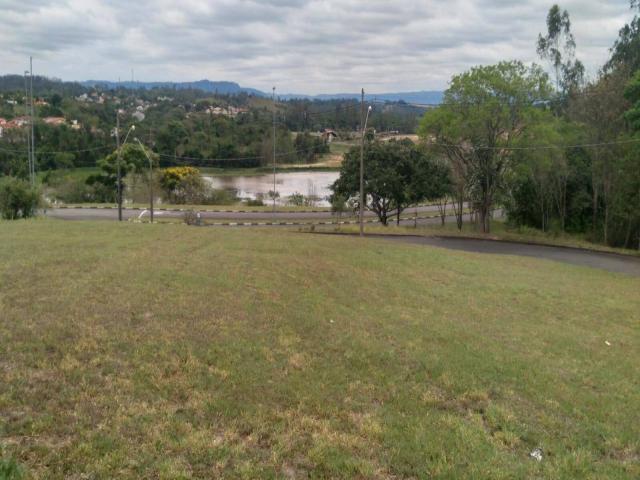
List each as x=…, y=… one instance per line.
x=301, y=46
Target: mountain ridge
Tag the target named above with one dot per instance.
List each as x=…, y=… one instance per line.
x=233, y=88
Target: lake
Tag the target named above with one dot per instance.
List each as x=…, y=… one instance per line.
x=309, y=184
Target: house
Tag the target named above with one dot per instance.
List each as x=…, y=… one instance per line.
x=55, y=121
x=329, y=135
x=17, y=122
x=75, y=125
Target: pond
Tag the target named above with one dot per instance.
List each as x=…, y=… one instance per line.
x=313, y=185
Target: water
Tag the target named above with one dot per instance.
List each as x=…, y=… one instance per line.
x=309, y=184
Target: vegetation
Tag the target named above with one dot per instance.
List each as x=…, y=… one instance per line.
x=17, y=199
x=557, y=159
x=272, y=354
x=185, y=127
x=396, y=174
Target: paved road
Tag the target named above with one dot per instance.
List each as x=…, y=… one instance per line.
x=236, y=216
x=602, y=260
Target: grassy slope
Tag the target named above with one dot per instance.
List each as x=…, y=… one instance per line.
x=137, y=351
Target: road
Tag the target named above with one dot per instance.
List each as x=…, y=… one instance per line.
x=606, y=261
x=236, y=216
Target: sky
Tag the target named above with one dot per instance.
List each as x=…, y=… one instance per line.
x=299, y=46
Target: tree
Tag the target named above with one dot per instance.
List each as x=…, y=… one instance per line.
x=183, y=184
x=632, y=94
x=485, y=111
x=396, y=175
x=132, y=160
x=625, y=53
x=558, y=47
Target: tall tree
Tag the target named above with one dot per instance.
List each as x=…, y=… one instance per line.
x=558, y=47
x=485, y=111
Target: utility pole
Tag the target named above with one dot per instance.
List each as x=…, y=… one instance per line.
x=33, y=141
x=26, y=113
x=118, y=173
x=362, y=127
x=273, y=97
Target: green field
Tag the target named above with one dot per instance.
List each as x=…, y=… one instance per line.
x=173, y=352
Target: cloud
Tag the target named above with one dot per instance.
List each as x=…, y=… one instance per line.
x=305, y=46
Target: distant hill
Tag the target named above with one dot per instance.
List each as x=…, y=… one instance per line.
x=222, y=88
x=233, y=88
x=421, y=97
x=41, y=85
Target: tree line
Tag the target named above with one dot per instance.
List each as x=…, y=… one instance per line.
x=557, y=152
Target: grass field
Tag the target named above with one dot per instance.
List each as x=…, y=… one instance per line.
x=172, y=352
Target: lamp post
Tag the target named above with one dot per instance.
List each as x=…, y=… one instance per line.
x=118, y=161
x=273, y=100
x=144, y=150
x=26, y=109
x=362, y=195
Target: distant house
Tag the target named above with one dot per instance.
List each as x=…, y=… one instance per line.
x=75, y=125
x=3, y=124
x=54, y=121
x=17, y=122
x=329, y=135
x=230, y=111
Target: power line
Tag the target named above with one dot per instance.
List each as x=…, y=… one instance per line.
x=539, y=147
x=60, y=151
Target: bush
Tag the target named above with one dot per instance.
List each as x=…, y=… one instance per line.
x=18, y=199
x=296, y=199
x=69, y=189
x=191, y=217
x=183, y=185
x=218, y=197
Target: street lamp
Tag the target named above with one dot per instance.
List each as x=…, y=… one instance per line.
x=144, y=150
x=362, y=196
x=119, y=158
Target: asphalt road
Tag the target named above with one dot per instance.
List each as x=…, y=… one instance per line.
x=606, y=261
x=230, y=215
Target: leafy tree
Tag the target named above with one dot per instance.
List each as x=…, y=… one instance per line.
x=632, y=94
x=485, y=111
x=132, y=160
x=625, y=53
x=558, y=47
x=396, y=174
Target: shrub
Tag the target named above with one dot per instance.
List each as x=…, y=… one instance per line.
x=296, y=199
x=183, y=185
x=190, y=217
x=18, y=199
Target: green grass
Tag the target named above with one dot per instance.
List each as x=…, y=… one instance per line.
x=171, y=352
